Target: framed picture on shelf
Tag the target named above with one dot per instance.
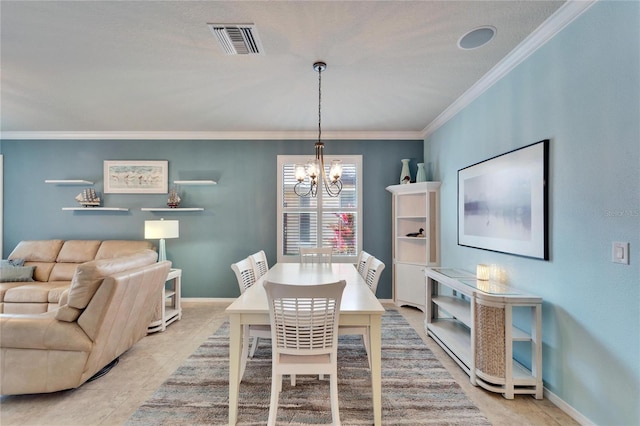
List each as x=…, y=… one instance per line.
x=136, y=177
x=503, y=203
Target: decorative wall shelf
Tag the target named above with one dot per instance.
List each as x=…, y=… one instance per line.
x=93, y=209
x=69, y=182
x=195, y=182
x=169, y=209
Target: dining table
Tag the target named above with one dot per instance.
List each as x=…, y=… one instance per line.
x=359, y=307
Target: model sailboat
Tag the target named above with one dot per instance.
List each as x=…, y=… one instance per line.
x=88, y=198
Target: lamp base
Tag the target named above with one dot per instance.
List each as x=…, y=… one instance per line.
x=162, y=251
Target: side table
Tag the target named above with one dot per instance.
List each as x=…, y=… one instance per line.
x=168, y=308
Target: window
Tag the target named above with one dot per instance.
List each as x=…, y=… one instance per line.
x=320, y=221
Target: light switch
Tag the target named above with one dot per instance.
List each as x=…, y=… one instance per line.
x=620, y=252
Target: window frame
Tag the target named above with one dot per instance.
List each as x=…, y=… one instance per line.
x=302, y=159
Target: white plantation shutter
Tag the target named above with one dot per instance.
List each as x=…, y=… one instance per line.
x=320, y=221
x=300, y=228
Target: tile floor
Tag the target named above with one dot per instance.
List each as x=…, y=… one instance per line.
x=111, y=399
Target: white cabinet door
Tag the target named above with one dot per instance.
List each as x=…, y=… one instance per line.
x=410, y=285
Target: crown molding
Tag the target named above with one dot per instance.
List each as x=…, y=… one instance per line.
x=229, y=135
x=566, y=14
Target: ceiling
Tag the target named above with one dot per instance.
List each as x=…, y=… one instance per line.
x=103, y=67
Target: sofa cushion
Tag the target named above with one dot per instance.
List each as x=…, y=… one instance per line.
x=31, y=293
x=78, y=251
x=16, y=273
x=89, y=275
x=67, y=313
x=55, y=292
x=42, y=271
x=116, y=248
x=6, y=286
x=42, y=332
x=24, y=308
x=63, y=271
x=37, y=250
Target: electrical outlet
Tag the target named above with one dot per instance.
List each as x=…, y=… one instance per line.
x=620, y=252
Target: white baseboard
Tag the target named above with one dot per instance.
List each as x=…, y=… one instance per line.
x=569, y=410
x=227, y=300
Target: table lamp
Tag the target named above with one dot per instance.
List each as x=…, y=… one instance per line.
x=161, y=229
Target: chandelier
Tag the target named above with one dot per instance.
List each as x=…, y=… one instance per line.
x=314, y=170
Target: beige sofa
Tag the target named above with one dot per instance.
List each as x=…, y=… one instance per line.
x=54, y=262
x=106, y=310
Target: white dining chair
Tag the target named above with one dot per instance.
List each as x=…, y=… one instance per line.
x=260, y=263
x=374, y=270
x=246, y=278
x=372, y=276
x=363, y=262
x=245, y=274
x=316, y=254
x=304, y=323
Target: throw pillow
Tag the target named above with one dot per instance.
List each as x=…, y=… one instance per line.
x=16, y=273
x=11, y=262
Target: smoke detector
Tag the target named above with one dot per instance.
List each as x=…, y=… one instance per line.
x=237, y=39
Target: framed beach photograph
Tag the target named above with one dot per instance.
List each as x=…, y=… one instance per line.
x=136, y=177
x=503, y=203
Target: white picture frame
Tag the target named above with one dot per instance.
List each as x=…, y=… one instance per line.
x=136, y=177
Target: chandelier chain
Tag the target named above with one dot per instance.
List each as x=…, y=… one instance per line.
x=320, y=104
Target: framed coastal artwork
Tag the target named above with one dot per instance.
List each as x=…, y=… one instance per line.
x=503, y=203
x=136, y=177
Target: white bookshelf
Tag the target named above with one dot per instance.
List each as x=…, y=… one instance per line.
x=415, y=206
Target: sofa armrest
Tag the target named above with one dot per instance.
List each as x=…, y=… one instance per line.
x=42, y=331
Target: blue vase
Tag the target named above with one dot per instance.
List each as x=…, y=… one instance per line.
x=405, y=170
x=421, y=175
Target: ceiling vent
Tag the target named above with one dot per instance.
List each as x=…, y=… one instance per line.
x=237, y=39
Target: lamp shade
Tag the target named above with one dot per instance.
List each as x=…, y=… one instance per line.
x=160, y=229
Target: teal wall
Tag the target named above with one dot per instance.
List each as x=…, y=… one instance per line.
x=582, y=91
x=240, y=211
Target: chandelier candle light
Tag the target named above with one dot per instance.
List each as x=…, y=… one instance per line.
x=314, y=169
x=161, y=229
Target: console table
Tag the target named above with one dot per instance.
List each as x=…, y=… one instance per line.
x=472, y=321
x=168, y=308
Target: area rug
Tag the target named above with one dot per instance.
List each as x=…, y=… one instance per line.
x=416, y=388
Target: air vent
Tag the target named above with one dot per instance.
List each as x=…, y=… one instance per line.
x=237, y=39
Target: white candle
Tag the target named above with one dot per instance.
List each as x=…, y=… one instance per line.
x=482, y=272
